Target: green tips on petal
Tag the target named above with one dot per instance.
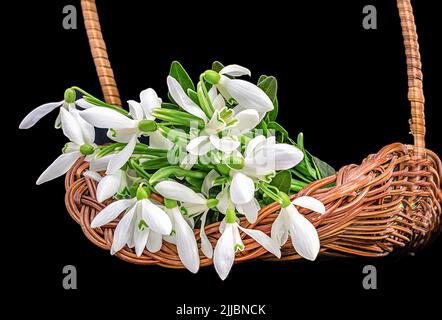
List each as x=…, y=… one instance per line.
x=70, y=95
x=211, y=76
x=147, y=125
x=87, y=149
x=142, y=225
x=142, y=193
x=285, y=200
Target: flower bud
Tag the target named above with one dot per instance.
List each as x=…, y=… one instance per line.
x=87, y=149
x=70, y=95
x=147, y=125
x=212, y=203
x=230, y=216
x=211, y=76
x=169, y=203
x=236, y=163
x=142, y=193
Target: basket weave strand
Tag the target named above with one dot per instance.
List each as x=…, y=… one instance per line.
x=390, y=203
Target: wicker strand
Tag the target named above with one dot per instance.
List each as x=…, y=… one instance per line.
x=99, y=53
x=414, y=71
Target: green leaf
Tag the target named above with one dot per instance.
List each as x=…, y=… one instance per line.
x=272, y=115
x=325, y=170
x=261, y=78
x=282, y=181
x=278, y=128
x=177, y=71
x=270, y=86
x=217, y=66
x=193, y=96
x=168, y=105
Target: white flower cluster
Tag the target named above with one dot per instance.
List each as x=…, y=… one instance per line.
x=224, y=168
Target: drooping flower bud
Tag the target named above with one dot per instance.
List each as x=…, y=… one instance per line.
x=70, y=95
x=146, y=125
x=212, y=77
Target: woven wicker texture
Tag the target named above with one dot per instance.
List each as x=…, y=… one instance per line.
x=389, y=203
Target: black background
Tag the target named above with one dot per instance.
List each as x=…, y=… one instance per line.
x=343, y=86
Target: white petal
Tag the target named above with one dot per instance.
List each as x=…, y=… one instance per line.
x=247, y=120
x=154, y=242
x=71, y=128
x=109, y=186
x=186, y=242
x=224, y=254
x=87, y=130
x=102, y=117
x=247, y=94
x=218, y=103
x=156, y=218
x=139, y=236
x=149, y=101
x=304, y=235
x=92, y=175
x=35, y=115
x=122, y=135
x=100, y=164
x=111, y=212
x=122, y=231
x=208, y=182
x=252, y=145
x=181, y=98
x=82, y=103
x=118, y=160
x=280, y=228
x=135, y=110
x=59, y=167
x=249, y=209
x=242, y=188
x=158, y=141
x=264, y=240
x=277, y=157
x=177, y=191
x=223, y=201
x=206, y=246
x=199, y=146
x=235, y=70
x=310, y=203
x=226, y=144
x=189, y=161
x=213, y=93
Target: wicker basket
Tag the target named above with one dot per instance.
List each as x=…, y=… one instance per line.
x=389, y=203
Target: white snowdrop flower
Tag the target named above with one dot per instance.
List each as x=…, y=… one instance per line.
x=194, y=204
x=230, y=241
x=262, y=157
x=67, y=103
x=81, y=136
x=304, y=236
x=142, y=224
x=125, y=129
x=246, y=94
x=223, y=120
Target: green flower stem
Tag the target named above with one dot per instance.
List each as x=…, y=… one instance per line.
x=140, y=148
x=156, y=163
x=140, y=170
x=173, y=134
x=177, y=117
x=176, y=171
x=264, y=187
x=90, y=98
x=204, y=99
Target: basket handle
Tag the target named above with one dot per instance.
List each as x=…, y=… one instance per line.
x=414, y=71
x=99, y=53
x=414, y=66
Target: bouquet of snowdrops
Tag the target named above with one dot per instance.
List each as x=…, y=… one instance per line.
x=214, y=152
